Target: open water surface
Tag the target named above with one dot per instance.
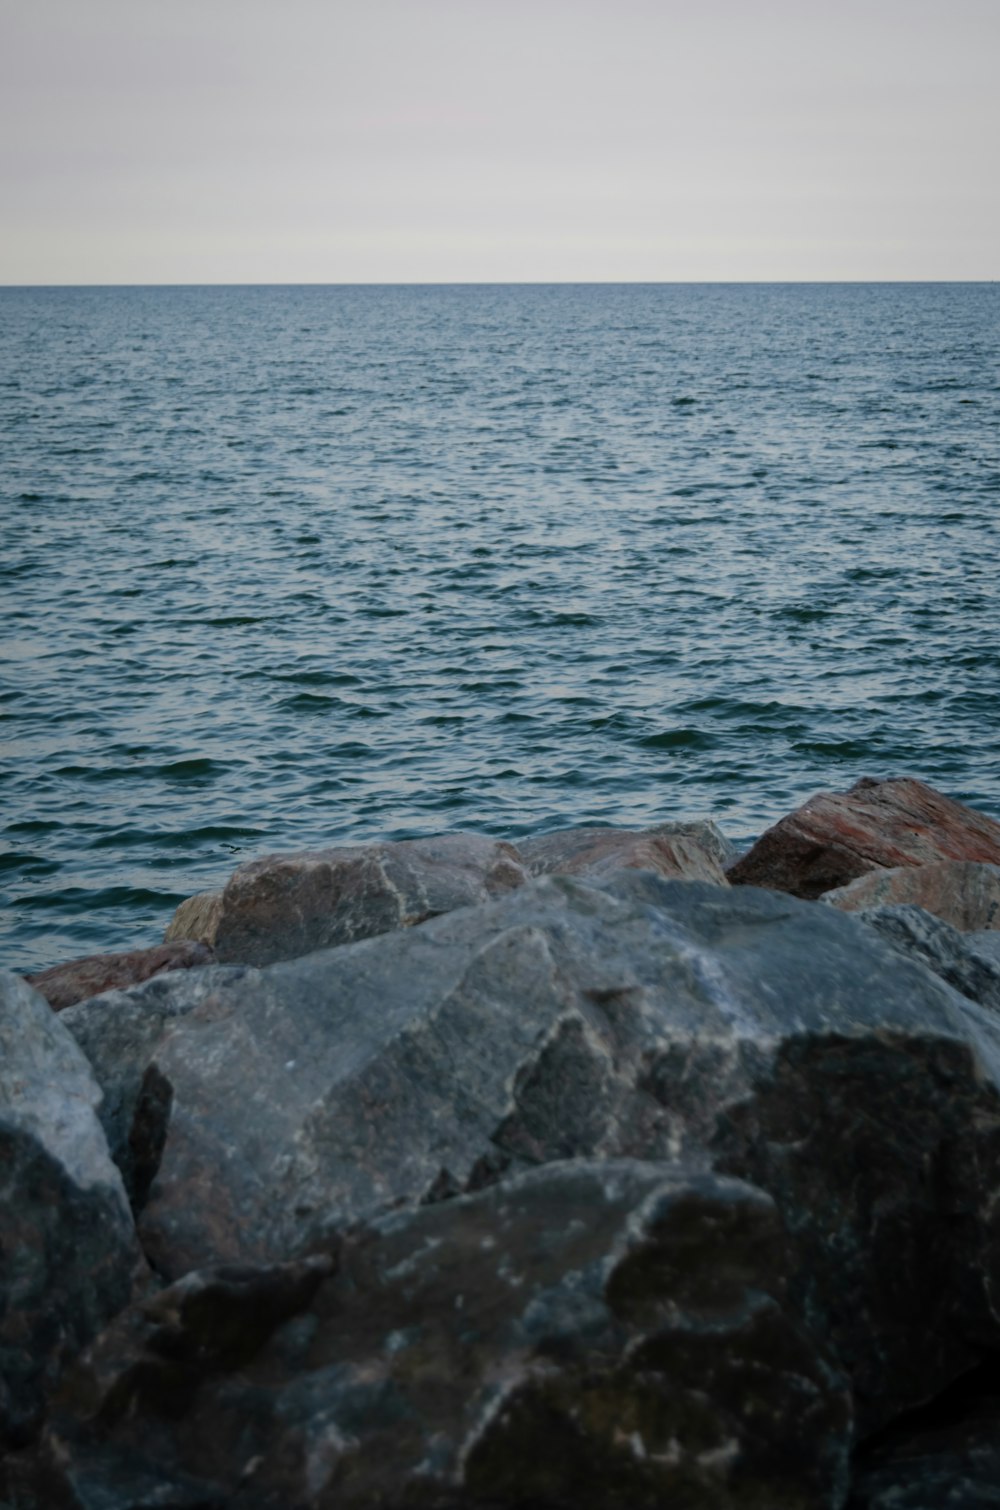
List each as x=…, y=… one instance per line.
x=292, y=566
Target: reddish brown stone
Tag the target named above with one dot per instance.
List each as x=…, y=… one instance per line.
x=961, y=892
x=687, y=852
x=836, y=836
x=65, y=985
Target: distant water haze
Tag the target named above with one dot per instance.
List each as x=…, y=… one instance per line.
x=464, y=140
x=295, y=566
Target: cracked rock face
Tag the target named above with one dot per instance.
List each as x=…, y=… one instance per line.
x=740, y=1031
x=285, y=906
x=836, y=836
x=580, y=1336
x=67, y=1246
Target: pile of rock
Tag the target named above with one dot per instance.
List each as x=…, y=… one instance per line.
x=606, y=1170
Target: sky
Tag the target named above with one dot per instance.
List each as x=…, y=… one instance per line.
x=359, y=141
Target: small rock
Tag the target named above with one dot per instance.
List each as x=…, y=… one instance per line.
x=964, y=893
x=78, y=979
x=196, y=918
x=685, y=851
x=837, y=836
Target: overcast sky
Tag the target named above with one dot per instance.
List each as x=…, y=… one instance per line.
x=325, y=141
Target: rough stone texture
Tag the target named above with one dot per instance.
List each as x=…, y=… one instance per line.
x=986, y=945
x=580, y=1337
x=946, y=1457
x=950, y=954
x=197, y=917
x=284, y=906
x=119, y=1032
x=837, y=836
x=67, y=1245
x=64, y=985
x=691, y=852
x=776, y=1041
x=960, y=892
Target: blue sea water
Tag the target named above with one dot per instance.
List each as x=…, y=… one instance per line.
x=292, y=566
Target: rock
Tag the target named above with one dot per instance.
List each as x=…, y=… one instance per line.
x=583, y=1336
x=119, y=1032
x=964, y=893
x=986, y=945
x=78, y=979
x=284, y=906
x=67, y=1246
x=945, y=1457
x=688, y=851
x=743, y=1031
x=197, y=917
x=950, y=954
x=837, y=836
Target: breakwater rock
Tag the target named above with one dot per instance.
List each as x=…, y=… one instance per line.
x=567, y=1175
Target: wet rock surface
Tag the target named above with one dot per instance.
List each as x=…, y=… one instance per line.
x=64, y=985
x=67, y=1248
x=836, y=836
x=960, y=892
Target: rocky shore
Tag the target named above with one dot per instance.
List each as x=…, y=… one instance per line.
x=613, y=1169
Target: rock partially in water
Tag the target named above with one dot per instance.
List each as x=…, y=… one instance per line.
x=745, y=1031
x=687, y=851
x=582, y=1336
x=836, y=836
x=64, y=985
x=67, y=1247
x=197, y=918
x=285, y=906
x=964, y=893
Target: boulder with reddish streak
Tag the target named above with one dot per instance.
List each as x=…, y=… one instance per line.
x=79, y=979
x=836, y=836
x=960, y=892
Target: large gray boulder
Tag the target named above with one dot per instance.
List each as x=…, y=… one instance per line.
x=957, y=958
x=284, y=906
x=585, y=1335
x=67, y=1246
x=740, y=1031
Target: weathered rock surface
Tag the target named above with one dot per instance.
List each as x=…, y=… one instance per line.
x=745, y=1031
x=688, y=851
x=67, y=1245
x=946, y=1457
x=285, y=906
x=963, y=893
x=836, y=836
x=585, y=1335
x=119, y=1032
x=951, y=955
x=196, y=918
x=78, y=979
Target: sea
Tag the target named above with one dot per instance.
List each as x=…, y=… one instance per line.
x=295, y=566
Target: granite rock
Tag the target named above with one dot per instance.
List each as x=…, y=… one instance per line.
x=964, y=893
x=196, y=918
x=687, y=851
x=951, y=955
x=284, y=906
x=740, y=1031
x=584, y=1335
x=837, y=836
x=68, y=1252
x=64, y=985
